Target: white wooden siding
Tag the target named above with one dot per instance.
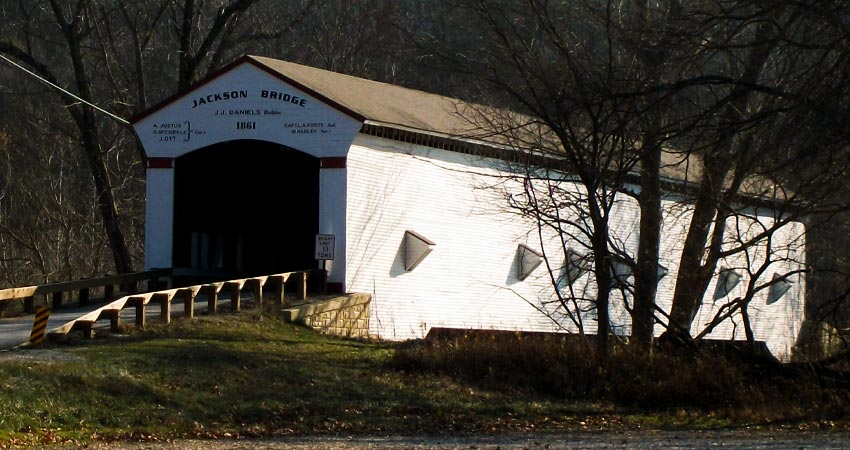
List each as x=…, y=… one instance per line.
x=469, y=280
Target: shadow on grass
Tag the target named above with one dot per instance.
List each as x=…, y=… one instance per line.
x=265, y=377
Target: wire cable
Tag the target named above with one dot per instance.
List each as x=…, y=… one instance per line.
x=64, y=91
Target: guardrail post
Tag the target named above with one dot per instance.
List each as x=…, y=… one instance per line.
x=39, y=325
x=235, y=295
x=279, y=291
x=256, y=286
x=114, y=316
x=189, y=302
x=164, y=307
x=140, y=310
x=109, y=292
x=212, y=302
x=302, y=286
x=212, y=298
x=84, y=296
x=156, y=284
x=57, y=300
x=87, y=328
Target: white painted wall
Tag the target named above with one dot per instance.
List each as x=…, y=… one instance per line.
x=777, y=323
x=469, y=280
x=159, y=220
x=332, y=207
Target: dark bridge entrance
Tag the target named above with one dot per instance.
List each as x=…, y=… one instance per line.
x=245, y=208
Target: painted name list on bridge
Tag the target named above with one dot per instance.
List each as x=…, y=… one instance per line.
x=246, y=103
x=237, y=110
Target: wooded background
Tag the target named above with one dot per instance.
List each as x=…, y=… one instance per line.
x=755, y=89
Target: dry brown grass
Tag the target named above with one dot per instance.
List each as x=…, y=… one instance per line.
x=722, y=382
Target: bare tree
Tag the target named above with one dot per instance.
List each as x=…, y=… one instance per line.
x=111, y=60
x=764, y=61
x=615, y=86
x=578, y=81
x=49, y=229
x=34, y=48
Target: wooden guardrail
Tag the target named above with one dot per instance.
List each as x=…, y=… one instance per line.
x=189, y=294
x=55, y=292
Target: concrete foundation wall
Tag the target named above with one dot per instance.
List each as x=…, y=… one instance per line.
x=346, y=316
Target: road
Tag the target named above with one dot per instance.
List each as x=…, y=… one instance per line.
x=15, y=331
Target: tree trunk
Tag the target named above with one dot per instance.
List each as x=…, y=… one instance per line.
x=649, y=199
x=602, y=270
x=694, y=275
x=603, y=297
x=646, y=275
x=87, y=125
x=691, y=282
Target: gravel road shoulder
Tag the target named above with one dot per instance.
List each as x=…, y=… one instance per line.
x=673, y=440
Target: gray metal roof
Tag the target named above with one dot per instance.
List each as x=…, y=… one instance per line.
x=413, y=110
x=376, y=102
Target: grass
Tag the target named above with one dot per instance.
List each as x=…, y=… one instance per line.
x=720, y=385
x=241, y=375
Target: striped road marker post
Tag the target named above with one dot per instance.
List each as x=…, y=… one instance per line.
x=40, y=325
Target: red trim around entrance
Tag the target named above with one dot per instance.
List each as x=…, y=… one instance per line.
x=333, y=162
x=160, y=163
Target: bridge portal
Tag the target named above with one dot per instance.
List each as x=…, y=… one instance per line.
x=245, y=208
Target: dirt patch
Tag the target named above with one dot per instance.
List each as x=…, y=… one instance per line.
x=38, y=356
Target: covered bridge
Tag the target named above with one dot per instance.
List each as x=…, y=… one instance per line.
x=245, y=168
